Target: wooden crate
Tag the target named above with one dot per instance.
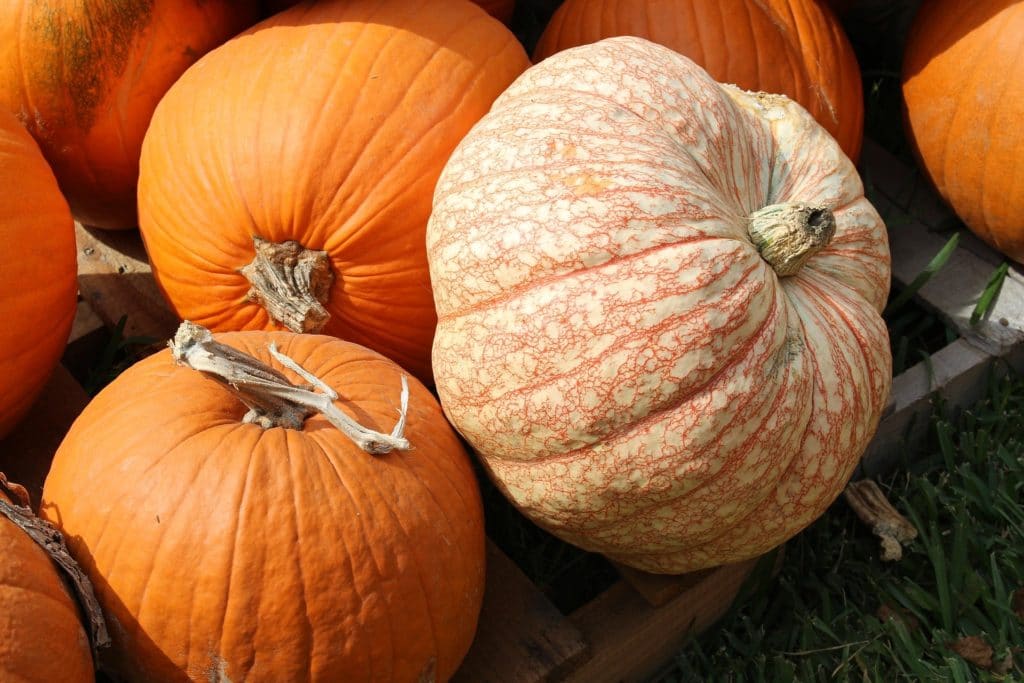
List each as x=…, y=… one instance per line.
x=632, y=628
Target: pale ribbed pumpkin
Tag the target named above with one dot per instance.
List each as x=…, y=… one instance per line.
x=963, y=89
x=84, y=77
x=274, y=550
x=37, y=271
x=644, y=328
x=792, y=47
x=42, y=638
x=316, y=138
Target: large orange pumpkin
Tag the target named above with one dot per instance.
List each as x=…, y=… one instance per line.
x=963, y=88
x=793, y=47
x=84, y=78
x=658, y=307
x=225, y=549
x=43, y=640
x=37, y=271
x=323, y=158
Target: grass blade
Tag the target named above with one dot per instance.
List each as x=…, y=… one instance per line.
x=936, y=264
x=988, y=297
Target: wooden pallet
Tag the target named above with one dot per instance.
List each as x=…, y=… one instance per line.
x=628, y=631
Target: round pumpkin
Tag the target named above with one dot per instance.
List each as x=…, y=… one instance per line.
x=305, y=206
x=38, y=283
x=43, y=640
x=963, y=91
x=658, y=307
x=85, y=76
x=224, y=547
x=792, y=47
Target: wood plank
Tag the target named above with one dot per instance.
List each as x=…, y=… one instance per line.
x=26, y=453
x=659, y=589
x=522, y=637
x=630, y=639
x=115, y=278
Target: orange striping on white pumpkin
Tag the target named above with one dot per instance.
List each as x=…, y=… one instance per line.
x=632, y=371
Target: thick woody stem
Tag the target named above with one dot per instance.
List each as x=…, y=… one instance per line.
x=874, y=509
x=291, y=283
x=52, y=542
x=274, y=401
x=786, y=235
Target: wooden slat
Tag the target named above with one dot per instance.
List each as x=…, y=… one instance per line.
x=659, y=589
x=114, y=277
x=522, y=637
x=630, y=639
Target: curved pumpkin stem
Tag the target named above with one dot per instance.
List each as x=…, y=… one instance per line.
x=274, y=401
x=786, y=235
x=291, y=283
x=51, y=541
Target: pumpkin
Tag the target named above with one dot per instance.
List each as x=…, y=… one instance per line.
x=268, y=545
x=658, y=307
x=499, y=9
x=38, y=282
x=305, y=207
x=85, y=76
x=963, y=91
x=43, y=640
x=792, y=47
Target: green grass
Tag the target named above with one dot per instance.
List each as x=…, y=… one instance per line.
x=836, y=612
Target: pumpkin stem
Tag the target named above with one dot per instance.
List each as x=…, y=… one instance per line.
x=786, y=235
x=291, y=283
x=52, y=542
x=274, y=401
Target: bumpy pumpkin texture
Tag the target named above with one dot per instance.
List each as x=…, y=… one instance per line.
x=37, y=271
x=963, y=90
x=41, y=638
x=84, y=77
x=792, y=47
x=335, y=149
x=221, y=550
x=635, y=375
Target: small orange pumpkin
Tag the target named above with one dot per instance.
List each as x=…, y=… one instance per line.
x=268, y=545
x=43, y=640
x=84, y=78
x=963, y=91
x=795, y=48
x=283, y=190
x=38, y=280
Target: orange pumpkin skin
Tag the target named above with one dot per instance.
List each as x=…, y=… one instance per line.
x=85, y=76
x=793, y=47
x=631, y=371
x=499, y=9
x=963, y=92
x=44, y=641
x=38, y=281
x=219, y=547
x=340, y=154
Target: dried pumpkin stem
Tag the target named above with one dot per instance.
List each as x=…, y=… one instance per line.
x=786, y=235
x=291, y=283
x=874, y=509
x=51, y=541
x=272, y=399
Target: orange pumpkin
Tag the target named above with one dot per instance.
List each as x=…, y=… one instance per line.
x=963, y=89
x=283, y=190
x=227, y=545
x=37, y=271
x=43, y=640
x=85, y=76
x=658, y=307
x=791, y=47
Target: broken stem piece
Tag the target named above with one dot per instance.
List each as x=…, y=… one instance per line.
x=274, y=401
x=875, y=510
